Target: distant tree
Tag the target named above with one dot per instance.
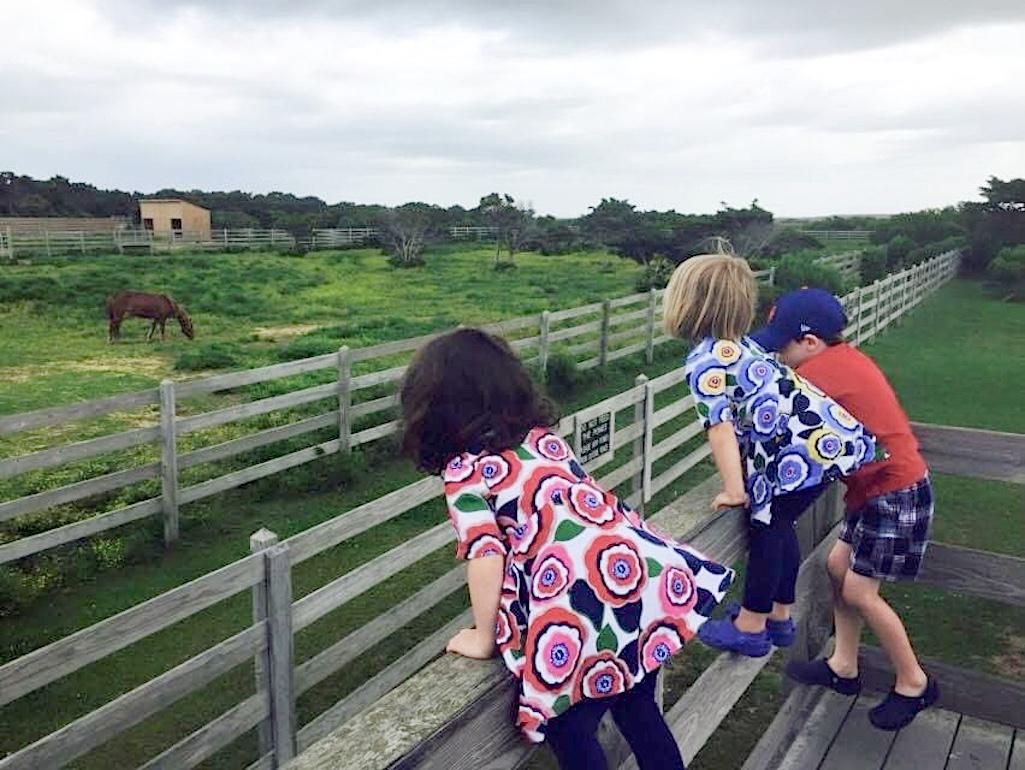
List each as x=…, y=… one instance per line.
x=406, y=230
x=996, y=223
x=513, y=220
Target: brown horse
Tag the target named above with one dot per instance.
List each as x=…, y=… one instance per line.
x=156, y=307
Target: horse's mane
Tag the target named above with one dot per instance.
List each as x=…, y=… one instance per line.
x=178, y=310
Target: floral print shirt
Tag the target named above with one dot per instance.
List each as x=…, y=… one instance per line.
x=594, y=598
x=792, y=436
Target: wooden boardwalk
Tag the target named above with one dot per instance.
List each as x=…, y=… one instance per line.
x=838, y=736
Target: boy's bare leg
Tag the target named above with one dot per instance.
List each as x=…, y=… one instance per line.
x=780, y=611
x=862, y=594
x=846, y=620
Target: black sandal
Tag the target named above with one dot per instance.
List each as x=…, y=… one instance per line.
x=897, y=711
x=818, y=672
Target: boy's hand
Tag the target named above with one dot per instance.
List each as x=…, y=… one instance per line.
x=730, y=499
x=472, y=643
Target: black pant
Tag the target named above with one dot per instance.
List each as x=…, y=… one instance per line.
x=573, y=735
x=775, y=556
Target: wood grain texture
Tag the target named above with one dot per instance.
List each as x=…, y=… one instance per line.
x=81, y=450
x=984, y=574
x=980, y=745
x=858, y=745
x=925, y=742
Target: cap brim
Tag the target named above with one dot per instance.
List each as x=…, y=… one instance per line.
x=770, y=339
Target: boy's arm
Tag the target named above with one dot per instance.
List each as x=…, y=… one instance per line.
x=484, y=576
x=726, y=454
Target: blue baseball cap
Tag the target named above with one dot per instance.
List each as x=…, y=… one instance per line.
x=801, y=312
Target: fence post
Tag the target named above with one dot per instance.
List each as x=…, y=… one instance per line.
x=772, y=276
x=603, y=343
x=168, y=462
x=649, y=351
x=280, y=658
x=46, y=239
x=542, y=353
x=637, y=484
x=10, y=244
x=857, y=324
x=261, y=540
x=344, y=399
x=81, y=241
x=649, y=440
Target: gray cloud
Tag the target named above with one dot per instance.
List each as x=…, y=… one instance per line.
x=789, y=28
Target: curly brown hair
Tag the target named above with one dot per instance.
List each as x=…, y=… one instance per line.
x=468, y=391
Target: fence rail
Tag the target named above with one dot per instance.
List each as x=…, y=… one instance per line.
x=838, y=235
x=71, y=242
x=643, y=460
x=591, y=335
x=848, y=264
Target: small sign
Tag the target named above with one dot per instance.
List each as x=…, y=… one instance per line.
x=594, y=438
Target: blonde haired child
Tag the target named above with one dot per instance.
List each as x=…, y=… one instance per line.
x=777, y=440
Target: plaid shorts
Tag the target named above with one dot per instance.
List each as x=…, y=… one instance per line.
x=889, y=534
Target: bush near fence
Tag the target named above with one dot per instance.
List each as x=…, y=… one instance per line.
x=651, y=450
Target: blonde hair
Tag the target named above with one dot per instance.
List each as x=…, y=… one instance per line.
x=710, y=295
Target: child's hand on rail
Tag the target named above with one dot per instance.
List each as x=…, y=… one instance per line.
x=730, y=499
x=471, y=643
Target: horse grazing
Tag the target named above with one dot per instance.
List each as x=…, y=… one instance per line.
x=156, y=307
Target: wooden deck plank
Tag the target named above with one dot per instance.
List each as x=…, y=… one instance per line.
x=1018, y=752
x=980, y=745
x=811, y=744
x=859, y=745
x=925, y=742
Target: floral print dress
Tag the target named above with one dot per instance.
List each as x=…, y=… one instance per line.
x=594, y=599
x=792, y=436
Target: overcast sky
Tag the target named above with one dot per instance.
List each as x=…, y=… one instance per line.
x=873, y=106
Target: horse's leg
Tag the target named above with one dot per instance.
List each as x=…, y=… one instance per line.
x=152, y=331
x=162, y=322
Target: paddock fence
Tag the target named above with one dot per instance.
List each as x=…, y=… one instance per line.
x=332, y=403
x=454, y=712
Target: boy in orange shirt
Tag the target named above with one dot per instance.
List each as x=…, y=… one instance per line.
x=889, y=505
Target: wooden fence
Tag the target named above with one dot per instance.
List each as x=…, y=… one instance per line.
x=642, y=463
x=848, y=264
x=652, y=443
x=455, y=713
x=71, y=242
x=359, y=398
x=333, y=237
x=838, y=235
x=5, y=244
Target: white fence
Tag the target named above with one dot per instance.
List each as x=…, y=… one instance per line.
x=848, y=264
x=838, y=235
x=71, y=242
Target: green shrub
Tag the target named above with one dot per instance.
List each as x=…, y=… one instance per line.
x=307, y=346
x=1007, y=270
x=897, y=250
x=656, y=274
x=767, y=296
x=795, y=271
x=930, y=250
x=504, y=265
x=873, y=264
x=562, y=377
x=208, y=355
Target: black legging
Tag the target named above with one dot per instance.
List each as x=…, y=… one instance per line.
x=775, y=556
x=573, y=735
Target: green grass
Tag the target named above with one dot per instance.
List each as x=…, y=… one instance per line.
x=260, y=309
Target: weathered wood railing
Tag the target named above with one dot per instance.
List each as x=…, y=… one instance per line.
x=456, y=713
x=648, y=454
x=359, y=410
